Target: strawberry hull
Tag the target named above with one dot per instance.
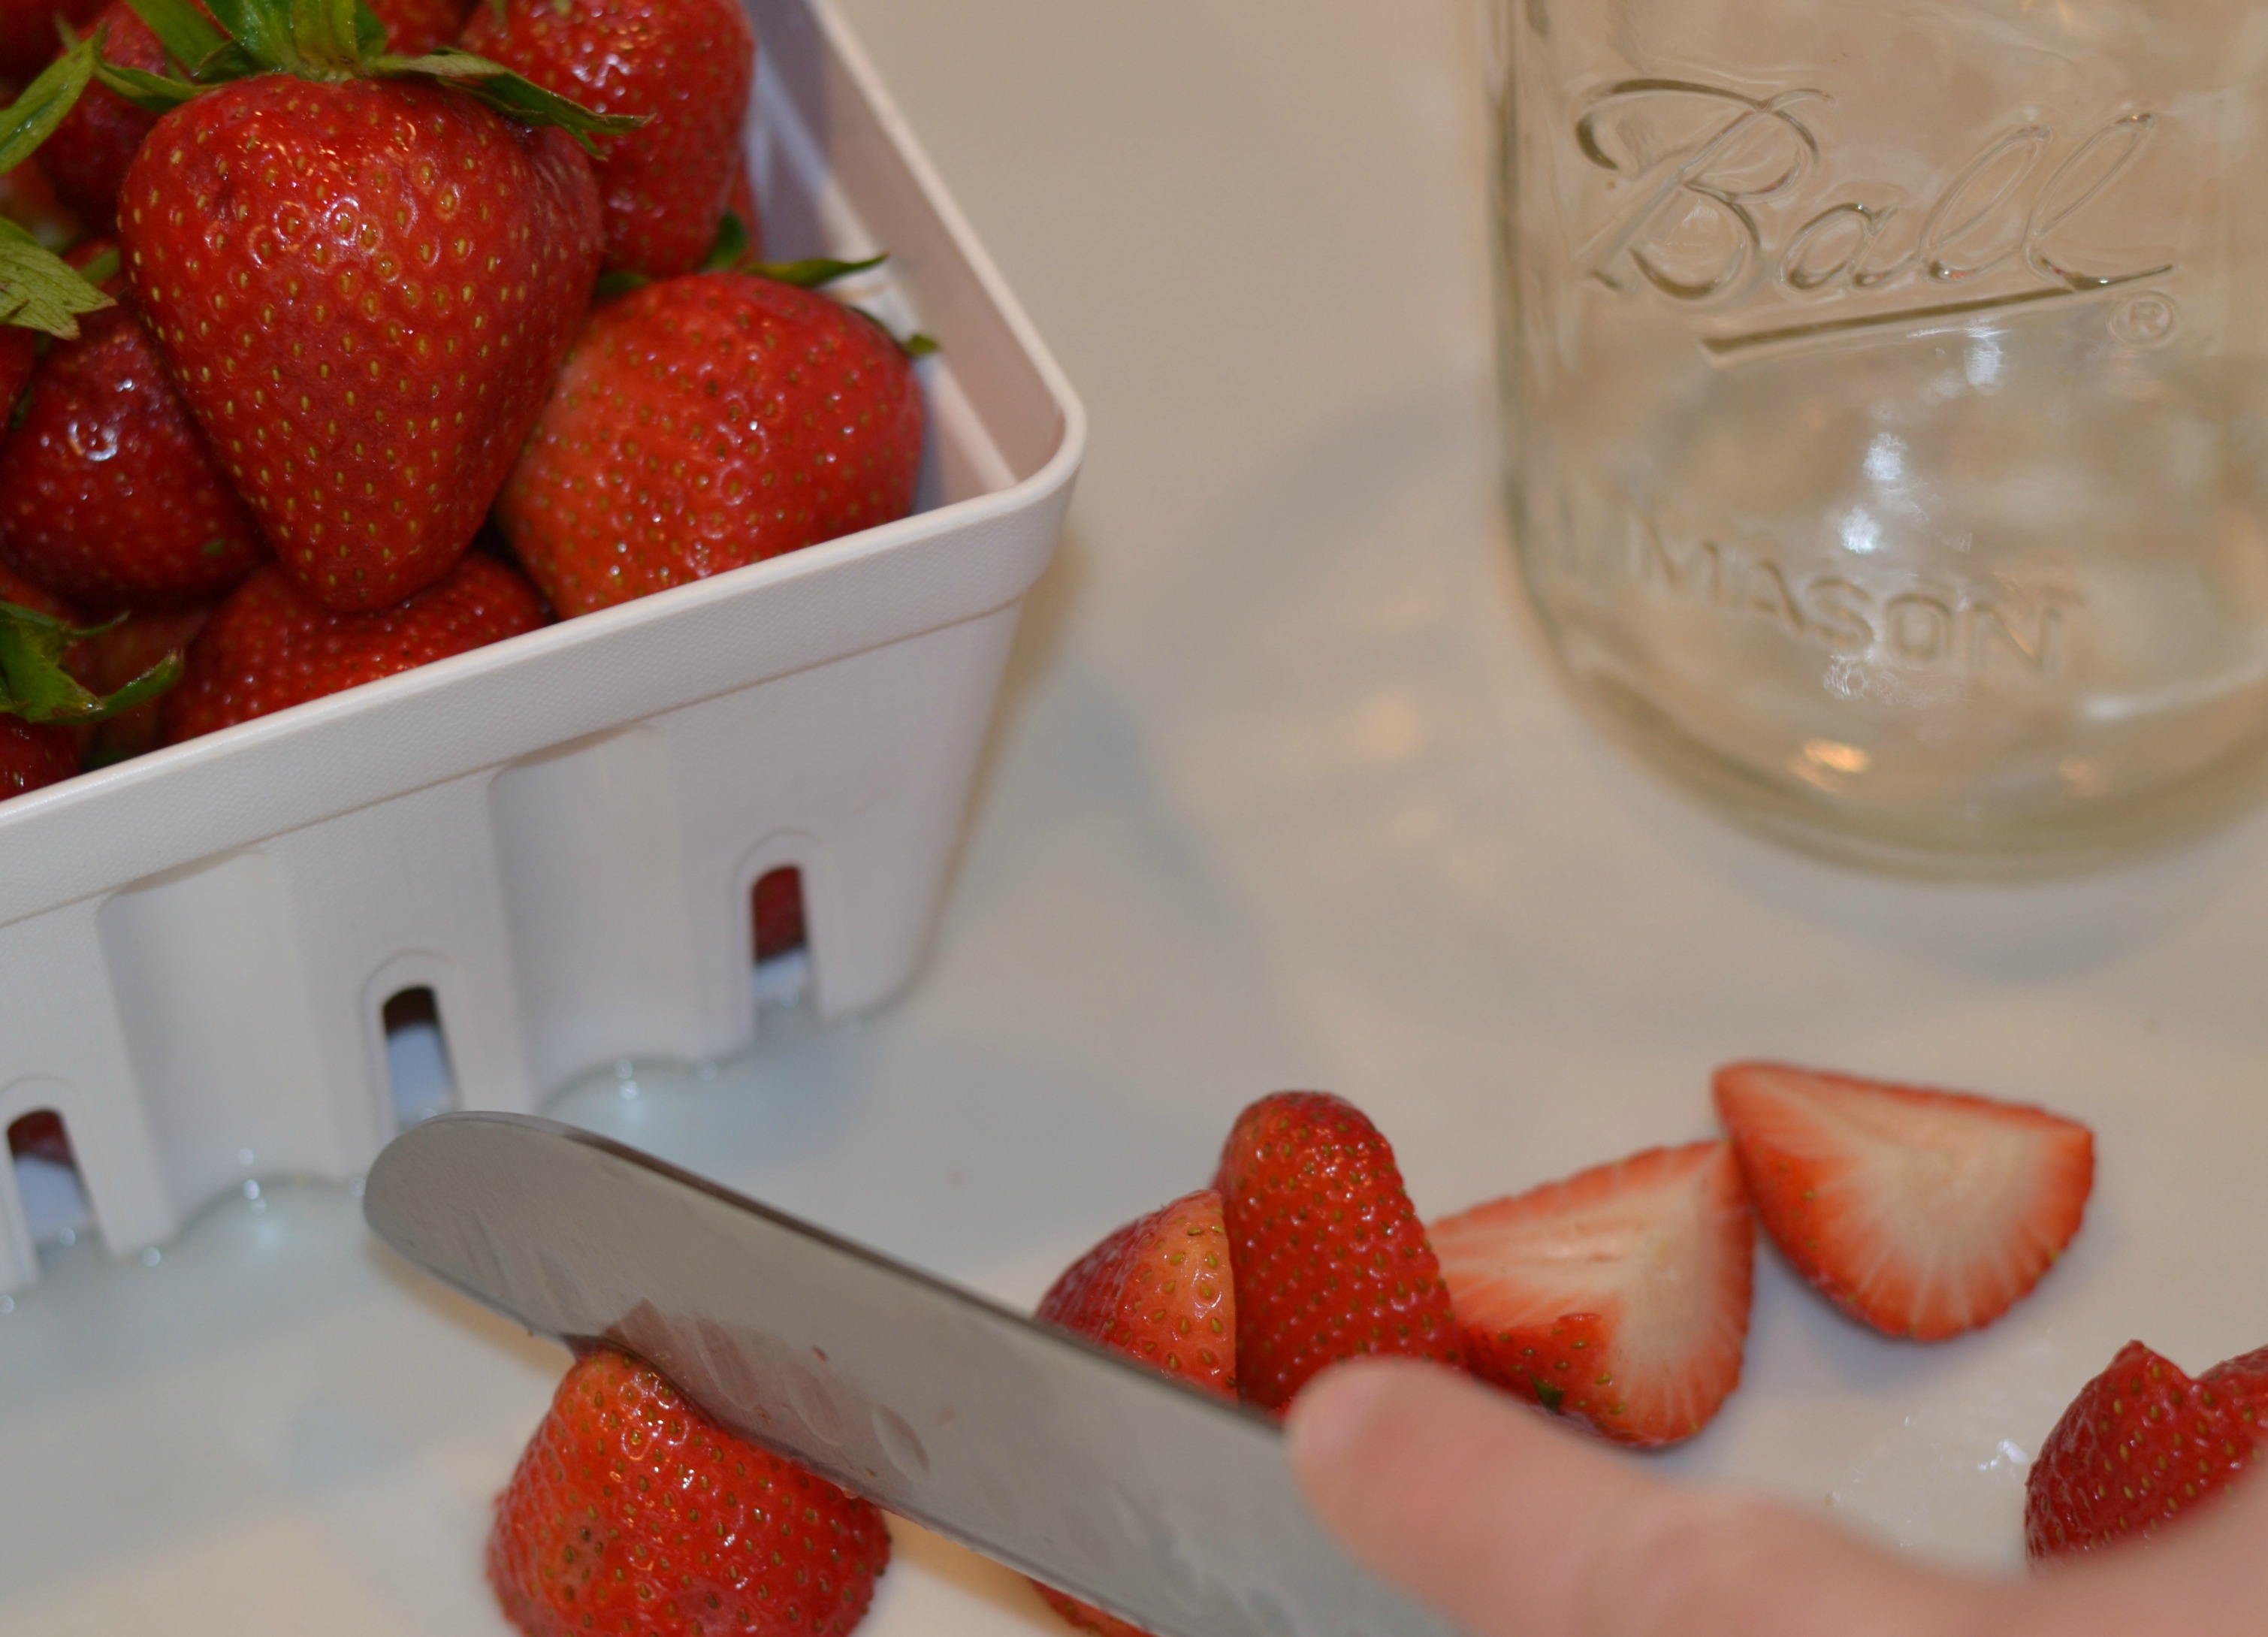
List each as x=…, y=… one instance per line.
x=558, y=835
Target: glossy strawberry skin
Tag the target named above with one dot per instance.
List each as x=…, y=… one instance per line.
x=706, y=423
x=364, y=291
x=1618, y=1298
x=87, y=155
x=108, y=492
x=1924, y=1213
x=632, y=1514
x=28, y=41
x=2141, y=1445
x=1329, y=1258
x=270, y=645
x=686, y=66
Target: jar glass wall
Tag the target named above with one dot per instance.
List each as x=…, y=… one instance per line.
x=1887, y=407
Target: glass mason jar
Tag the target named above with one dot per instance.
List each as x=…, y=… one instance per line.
x=1887, y=406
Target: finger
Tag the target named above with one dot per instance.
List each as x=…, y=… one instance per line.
x=1514, y=1528
x=2206, y=1578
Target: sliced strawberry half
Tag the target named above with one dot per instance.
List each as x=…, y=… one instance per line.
x=1159, y=1290
x=1924, y=1213
x=2140, y=1445
x=1618, y=1298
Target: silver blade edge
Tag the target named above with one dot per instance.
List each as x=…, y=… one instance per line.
x=1155, y=1501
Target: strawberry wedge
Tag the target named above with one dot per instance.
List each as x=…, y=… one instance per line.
x=1924, y=1213
x=1159, y=1290
x=1618, y=1298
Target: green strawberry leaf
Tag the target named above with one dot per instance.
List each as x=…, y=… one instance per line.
x=157, y=92
x=920, y=344
x=186, y=33
x=27, y=121
x=814, y=271
x=266, y=30
x=618, y=281
x=34, y=685
x=38, y=290
x=509, y=94
x=730, y=248
x=1549, y=1396
x=100, y=267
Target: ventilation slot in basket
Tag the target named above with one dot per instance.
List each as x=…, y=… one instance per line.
x=781, y=943
x=47, y=1179
x=417, y=1057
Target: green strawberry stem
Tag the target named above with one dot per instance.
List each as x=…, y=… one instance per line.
x=328, y=40
x=38, y=289
x=34, y=685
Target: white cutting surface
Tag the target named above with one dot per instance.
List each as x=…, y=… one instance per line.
x=1280, y=794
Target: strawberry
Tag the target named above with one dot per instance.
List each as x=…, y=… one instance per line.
x=741, y=202
x=1618, y=1298
x=361, y=274
x=19, y=354
x=33, y=754
x=2141, y=1445
x=270, y=645
x=413, y=27
x=86, y=157
x=1329, y=1258
x=708, y=422
x=107, y=490
x=633, y=1513
x=1159, y=1290
x=687, y=65
x=1924, y=1213
x=27, y=32
x=115, y=656
x=46, y=711
x=775, y=912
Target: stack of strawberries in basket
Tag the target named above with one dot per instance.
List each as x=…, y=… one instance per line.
x=342, y=338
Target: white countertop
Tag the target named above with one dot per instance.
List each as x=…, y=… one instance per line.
x=1281, y=793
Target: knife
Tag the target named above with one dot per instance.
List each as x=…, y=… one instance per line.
x=1158, y=1502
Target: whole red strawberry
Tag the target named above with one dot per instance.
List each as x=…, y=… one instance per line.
x=708, y=422
x=270, y=645
x=687, y=64
x=1159, y=1290
x=1330, y=1257
x=108, y=492
x=365, y=289
x=2139, y=1446
x=632, y=1514
x=86, y=156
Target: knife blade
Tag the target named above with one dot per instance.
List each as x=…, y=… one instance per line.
x=1159, y=1503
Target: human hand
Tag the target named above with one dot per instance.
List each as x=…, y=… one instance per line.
x=1514, y=1528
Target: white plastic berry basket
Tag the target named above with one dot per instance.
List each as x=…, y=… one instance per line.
x=558, y=836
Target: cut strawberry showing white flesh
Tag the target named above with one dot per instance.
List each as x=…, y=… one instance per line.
x=1618, y=1298
x=1924, y=1213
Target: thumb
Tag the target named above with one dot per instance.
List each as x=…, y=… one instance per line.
x=1514, y=1528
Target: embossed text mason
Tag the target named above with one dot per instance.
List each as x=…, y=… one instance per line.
x=1887, y=408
